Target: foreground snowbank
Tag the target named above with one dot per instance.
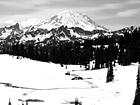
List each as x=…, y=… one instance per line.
x=48, y=82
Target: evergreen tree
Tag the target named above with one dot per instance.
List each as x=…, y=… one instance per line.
x=110, y=76
x=137, y=93
x=97, y=59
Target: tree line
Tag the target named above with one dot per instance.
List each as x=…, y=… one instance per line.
x=65, y=52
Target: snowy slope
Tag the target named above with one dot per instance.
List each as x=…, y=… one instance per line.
x=48, y=82
x=5, y=34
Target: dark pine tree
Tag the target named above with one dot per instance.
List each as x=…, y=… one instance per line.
x=137, y=43
x=110, y=75
x=97, y=59
x=137, y=93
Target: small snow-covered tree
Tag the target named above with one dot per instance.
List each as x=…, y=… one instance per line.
x=9, y=102
x=77, y=102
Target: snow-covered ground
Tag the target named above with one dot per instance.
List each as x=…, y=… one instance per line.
x=47, y=81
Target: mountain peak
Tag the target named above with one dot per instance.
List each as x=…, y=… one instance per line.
x=16, y=26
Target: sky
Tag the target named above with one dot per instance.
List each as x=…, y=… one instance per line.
x=112, y=14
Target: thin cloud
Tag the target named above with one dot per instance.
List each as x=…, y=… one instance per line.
x=128, y=13
x=120, y=4
x=103, y=7
x=81, y=4
x=10, y=7
x=86, y=4
x=133, y=2
x=15, y=7
x=10, y=22
x=104, y=17
x=114, y=27
x=113, y=6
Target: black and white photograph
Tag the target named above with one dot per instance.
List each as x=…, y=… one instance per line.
x=69, y=52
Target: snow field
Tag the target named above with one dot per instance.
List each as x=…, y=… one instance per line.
x=54, y=87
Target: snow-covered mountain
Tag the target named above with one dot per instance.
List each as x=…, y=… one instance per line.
x=9, y=31
x=72, y=19
x=66, y=25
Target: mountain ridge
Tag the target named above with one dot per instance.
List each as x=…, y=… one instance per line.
x=66, y=25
